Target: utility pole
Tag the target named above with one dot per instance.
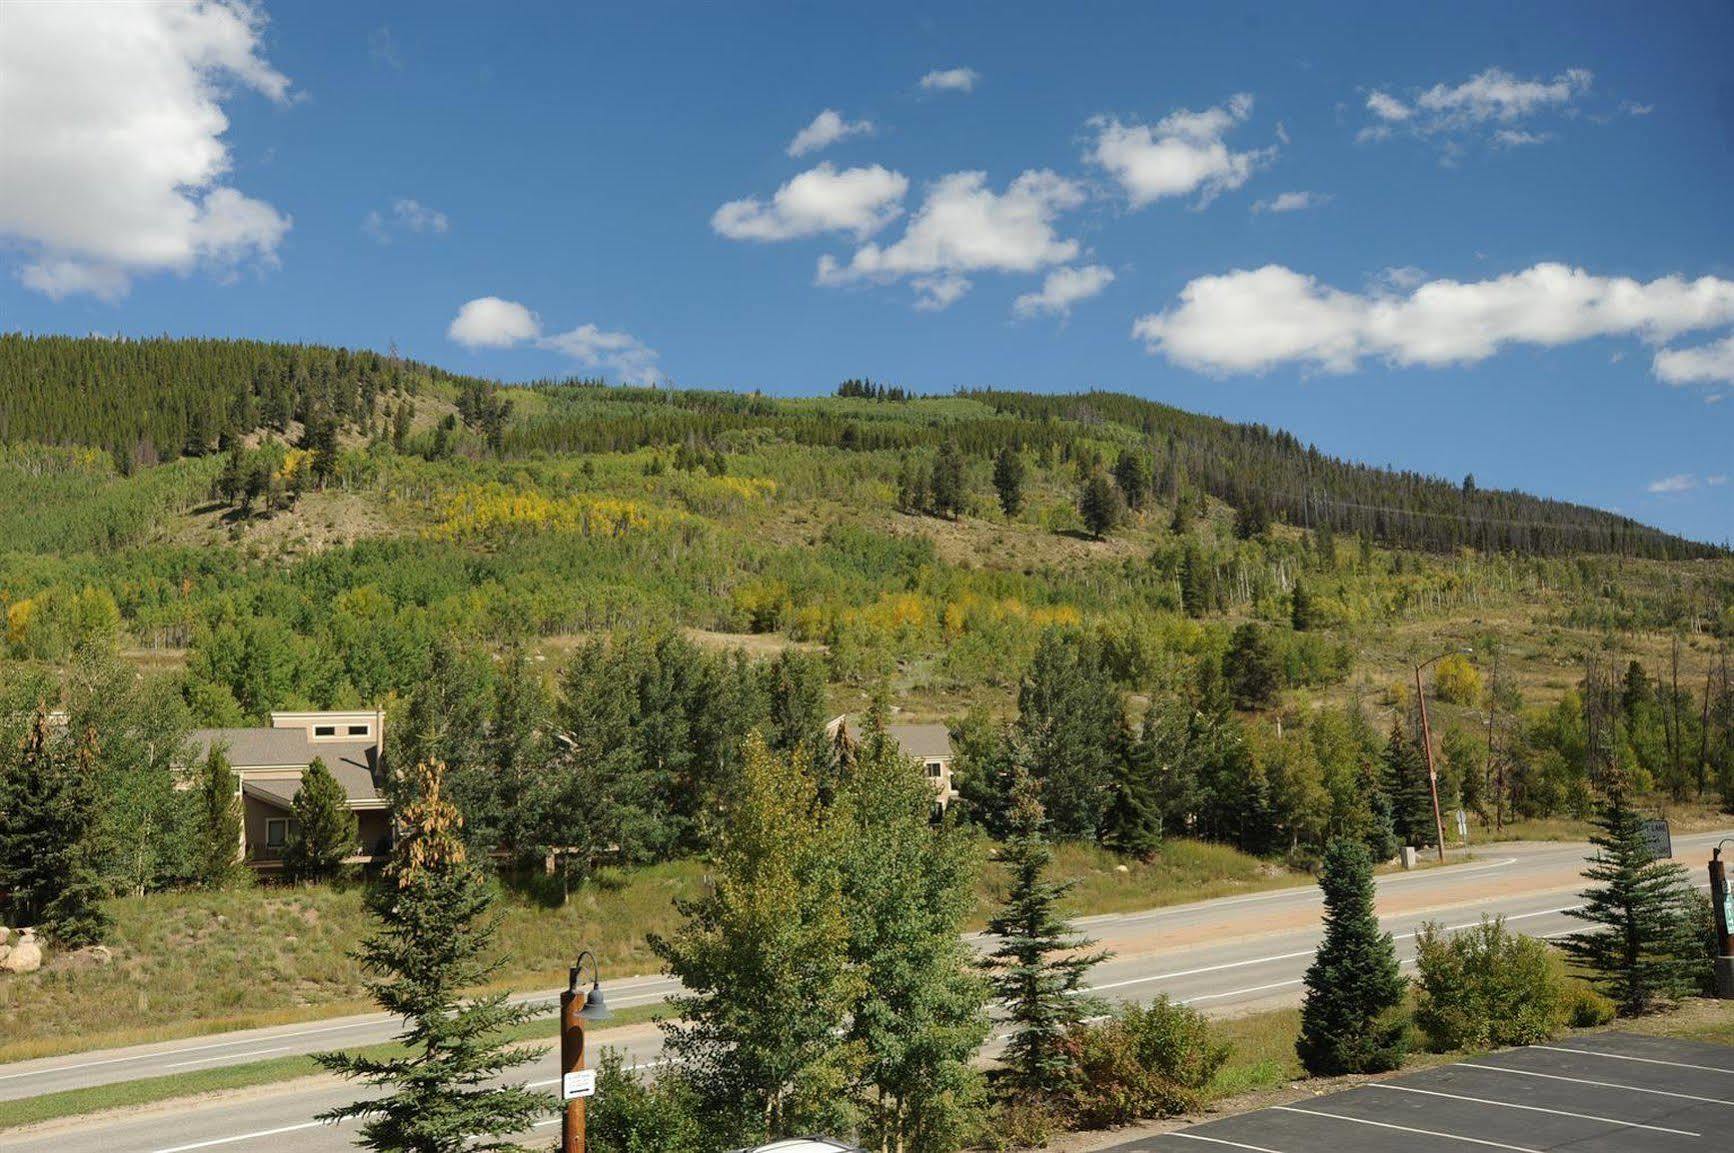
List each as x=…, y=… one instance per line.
x=1427, y=746
x=577, y=1083
x=1494, y=769
x=1724, y=912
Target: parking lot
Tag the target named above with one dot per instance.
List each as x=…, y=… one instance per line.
x=1604, y=1093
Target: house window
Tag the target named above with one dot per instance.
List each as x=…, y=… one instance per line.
x=358, y=730
x=934, y=769
x=325, y=730
x=276, y=833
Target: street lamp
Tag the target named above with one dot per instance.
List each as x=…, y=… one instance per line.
x=1427, y=743
x=1723, y=903
x=576, y=1082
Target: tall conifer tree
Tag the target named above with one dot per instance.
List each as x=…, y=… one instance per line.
x=1353, y=987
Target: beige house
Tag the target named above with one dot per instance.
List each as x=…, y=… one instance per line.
x=927, y=745
x=268, y=763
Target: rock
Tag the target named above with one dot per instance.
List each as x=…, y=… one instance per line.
x=1122, y=868
x=25, y=956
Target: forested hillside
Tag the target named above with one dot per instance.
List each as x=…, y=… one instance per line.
x=150, y=400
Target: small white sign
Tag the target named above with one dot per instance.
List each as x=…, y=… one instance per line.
x=1462, y=825
x=579, y=1084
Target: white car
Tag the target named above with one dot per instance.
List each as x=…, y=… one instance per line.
x=804, y=1145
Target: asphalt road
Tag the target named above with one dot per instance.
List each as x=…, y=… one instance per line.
x=1229, y=955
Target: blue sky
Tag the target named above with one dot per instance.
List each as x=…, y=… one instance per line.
x=1514, y=254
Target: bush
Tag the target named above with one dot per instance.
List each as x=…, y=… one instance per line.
x=1585, y=1008
x=1148, y=1061
x=1456, y=681
x=1017, y=1125
x=630, y=1115
x=1487, y=987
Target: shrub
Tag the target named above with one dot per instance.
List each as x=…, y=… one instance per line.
x=1486, y=987
x=1147, y=1061
x=1017, y=1124
x=1456, y=681
x=1585, y=1008
x=630, y=1115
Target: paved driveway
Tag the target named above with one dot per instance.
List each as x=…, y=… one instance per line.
x=1603, y=1093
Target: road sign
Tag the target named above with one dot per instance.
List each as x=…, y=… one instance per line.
x=579, y=1084
x=1462, y=825
x=1660, y=842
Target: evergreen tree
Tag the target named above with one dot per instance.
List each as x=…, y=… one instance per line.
x=1349, y=1022
x=1642, y=949
x=1252, y=518
x=1406, y=786
x=217, y=849
x=1132, y=474
x=47, y=816
x=1101, y=505
x=1038, y=966
x=1008, y=480
x=919, y=1016
x=1249, y=668
x=1197, y=580
x=1133, y=823
x=323, y=830
x=1381, y=832
x=949, y=491
x=763, y=961
x=1069, y=712
x=434, y=929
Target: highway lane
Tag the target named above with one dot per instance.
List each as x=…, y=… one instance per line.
x=1224, y=956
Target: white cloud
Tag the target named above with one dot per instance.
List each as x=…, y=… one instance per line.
x=1293, y=202
x=1180, y=154
x=963, y=226
x=1063, y=288
x=407, y=216
x=855, y=200
x=1491, y=98
x=939, y=292
x=625, y=355
x=950, y=80
x=1252, y=320
x=1716, y=480
x=1706, y=364
x=490, y=322
x=1679, y=482
x=1387, y=107
x=112, y=159
x=827, y=128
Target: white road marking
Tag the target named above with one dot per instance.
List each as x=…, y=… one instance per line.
x=1221, y=1141
x=225, y=1057
x=240, y=1137
x=1642, y=1060
x=1406, y=1129
x=1597, y=1084
x=1534, y=1109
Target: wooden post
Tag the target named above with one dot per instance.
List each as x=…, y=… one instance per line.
x=571, y=1061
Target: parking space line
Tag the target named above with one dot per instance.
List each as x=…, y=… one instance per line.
x=1406, y=1129
x=1223, y=1141
x=1597, y=1084
x=1535, y=1109
x=1624, y=1057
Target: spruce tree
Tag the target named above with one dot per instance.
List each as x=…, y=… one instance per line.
x=1303, y=613
x=949, y=493
x=47, y=821
x=1405, y=780
x=1353, y=987
x=434, y=927
x=324, y=830
x=1132, y=474
x=1101, y=505
x=1250, y=668
x=217, y=843
x=1642, y=949
x=1008, y=480
x=1133, y=823
x=1038, y=966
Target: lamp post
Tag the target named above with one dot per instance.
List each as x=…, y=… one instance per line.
x=1724, y=911
x=575, y=1087
x=1427, y=745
